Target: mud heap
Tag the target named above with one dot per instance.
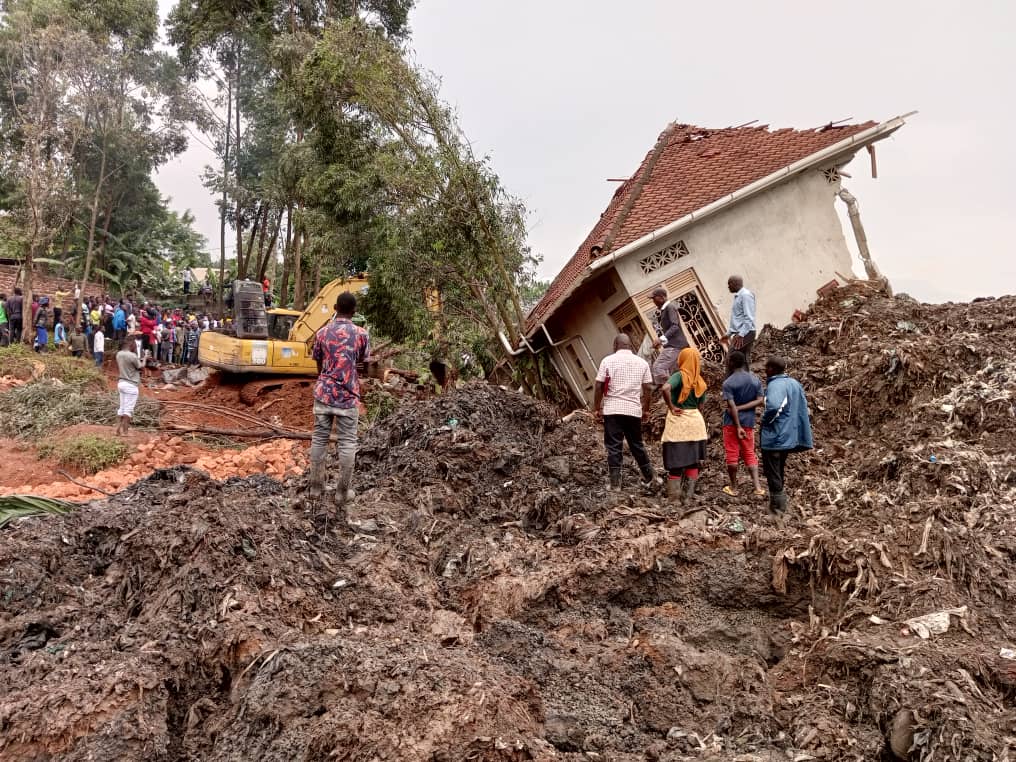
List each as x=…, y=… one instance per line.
x=497, y=604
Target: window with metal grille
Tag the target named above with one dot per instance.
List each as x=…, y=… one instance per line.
x=653, y=262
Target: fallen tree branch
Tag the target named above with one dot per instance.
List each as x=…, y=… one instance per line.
x=253, y=433
x=72, y=480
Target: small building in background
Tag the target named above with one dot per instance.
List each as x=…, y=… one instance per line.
x=703, y=205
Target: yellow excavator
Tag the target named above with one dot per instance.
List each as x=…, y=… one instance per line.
x=274, y=341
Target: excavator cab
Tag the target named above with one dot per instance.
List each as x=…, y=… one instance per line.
x=280, y=323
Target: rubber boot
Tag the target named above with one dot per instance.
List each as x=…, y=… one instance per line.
x=649, y=483
x=343, y=491
x=674, y=489
x=689, y=490
x=615, y=477
x=316, y=480
x=778, y=502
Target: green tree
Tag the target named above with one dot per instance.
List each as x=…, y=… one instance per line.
x=269, y=187
x=43, y=126
x=451, y=225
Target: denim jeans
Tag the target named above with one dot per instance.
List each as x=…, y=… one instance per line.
x=345, y=421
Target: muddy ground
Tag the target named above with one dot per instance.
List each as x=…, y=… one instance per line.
x=498, y=604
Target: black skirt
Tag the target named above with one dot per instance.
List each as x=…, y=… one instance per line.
x=683, y=454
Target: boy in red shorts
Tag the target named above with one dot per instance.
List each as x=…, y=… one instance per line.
x=742, y=392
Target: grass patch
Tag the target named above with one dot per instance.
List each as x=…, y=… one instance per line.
x=88, y=453
x=19, y=361
x=36, y=410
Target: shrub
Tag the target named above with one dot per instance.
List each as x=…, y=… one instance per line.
x=88, y=453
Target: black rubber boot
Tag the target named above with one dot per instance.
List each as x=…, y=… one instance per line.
x=778, y=502
x=615, y=477
x=689, y=490
x=649, y=483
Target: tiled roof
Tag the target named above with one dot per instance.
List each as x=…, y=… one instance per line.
x=688, y=168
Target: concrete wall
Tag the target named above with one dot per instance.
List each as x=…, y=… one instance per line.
x=587, y=315
x=786, y=242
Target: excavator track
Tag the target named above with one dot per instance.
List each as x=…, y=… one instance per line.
x=252, y=390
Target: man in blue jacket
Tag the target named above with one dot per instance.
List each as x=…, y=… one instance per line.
x=785, y=428
x=120, y=324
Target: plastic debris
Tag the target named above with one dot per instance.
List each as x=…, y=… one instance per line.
x=935, y=623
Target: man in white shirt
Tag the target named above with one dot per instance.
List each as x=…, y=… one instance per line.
x=623, y=392
x=99, y=346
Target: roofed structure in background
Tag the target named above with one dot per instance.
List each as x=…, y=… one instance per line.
x=690, y=168
x=704, y=205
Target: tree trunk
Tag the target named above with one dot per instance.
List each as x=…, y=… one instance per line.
x=287, y=258
x=89, y=252
x=266, y=256
x=239, y=205
x=298, y=270
x=257, y=232
x=107, y=220
x=222, y=206
x=27, y=324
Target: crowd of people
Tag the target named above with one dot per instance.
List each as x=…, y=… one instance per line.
x=626, y=385
x=139, y=336
x=162, y=335
x=624, y=390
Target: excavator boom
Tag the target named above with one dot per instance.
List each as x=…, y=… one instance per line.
x=322, y=307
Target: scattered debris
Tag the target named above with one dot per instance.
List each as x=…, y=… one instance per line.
x=509, y=608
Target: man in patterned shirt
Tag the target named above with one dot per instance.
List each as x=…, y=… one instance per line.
x=340, y=347
x=623, y=392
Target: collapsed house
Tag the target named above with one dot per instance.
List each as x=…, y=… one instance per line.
x=703, y=205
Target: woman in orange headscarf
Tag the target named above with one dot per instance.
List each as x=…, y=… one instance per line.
x=684, y=436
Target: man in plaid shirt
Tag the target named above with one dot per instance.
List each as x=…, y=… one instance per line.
x=624, y=387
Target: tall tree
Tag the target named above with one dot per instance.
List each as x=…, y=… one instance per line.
x=451, y=225
x=43, y=125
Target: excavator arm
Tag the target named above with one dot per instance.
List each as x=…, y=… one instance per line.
x=322, y=307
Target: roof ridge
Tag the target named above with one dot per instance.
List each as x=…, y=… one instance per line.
x=647, y=170
x=688, y=168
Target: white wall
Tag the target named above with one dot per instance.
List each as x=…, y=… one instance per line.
x=786, y=242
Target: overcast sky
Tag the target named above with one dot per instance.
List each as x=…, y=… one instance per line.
x=564, y=94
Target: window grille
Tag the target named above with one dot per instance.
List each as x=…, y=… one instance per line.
x=697, y=325
x=653, y=262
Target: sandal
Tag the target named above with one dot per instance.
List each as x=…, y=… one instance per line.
x=728, y=490
x=760, y=493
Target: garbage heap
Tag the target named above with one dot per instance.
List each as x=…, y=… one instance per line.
x=497, y=603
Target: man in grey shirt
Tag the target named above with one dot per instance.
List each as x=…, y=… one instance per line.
x=671, y=339
x=128, y=365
